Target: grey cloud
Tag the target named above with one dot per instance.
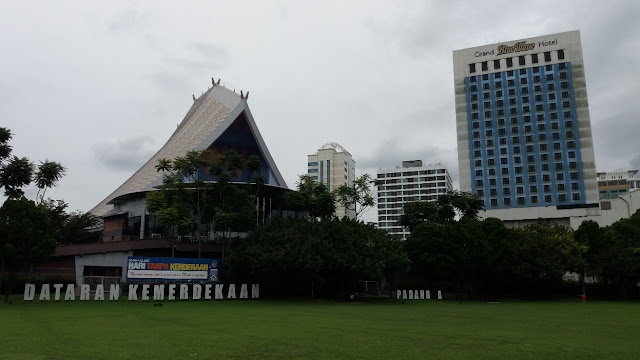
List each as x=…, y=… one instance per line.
x=390, y=154
x=635, y=162
x=129, y=21
x=127, y=154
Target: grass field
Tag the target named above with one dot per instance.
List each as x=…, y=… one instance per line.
x=262, y=329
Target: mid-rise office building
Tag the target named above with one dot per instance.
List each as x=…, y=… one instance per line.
x=612, y=184
x=333, y=166
x=409, y=183
x=524, y=133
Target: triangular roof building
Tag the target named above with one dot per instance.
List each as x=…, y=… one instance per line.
x=219, y=120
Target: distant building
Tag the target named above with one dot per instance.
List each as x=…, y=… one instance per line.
x=333, y=166
x=525, y=145
x=612, y=184
x=411, y=182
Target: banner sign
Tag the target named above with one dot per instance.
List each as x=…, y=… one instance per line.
x=161, y=269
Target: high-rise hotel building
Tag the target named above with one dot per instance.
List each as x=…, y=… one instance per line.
x=409, y=183
x=524, y=134
x=333, y=166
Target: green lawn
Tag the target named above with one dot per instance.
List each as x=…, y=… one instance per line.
x=262, y=329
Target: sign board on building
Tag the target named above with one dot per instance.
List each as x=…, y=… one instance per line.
x=160, y=269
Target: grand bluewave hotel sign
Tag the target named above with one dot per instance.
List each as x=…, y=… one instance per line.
x=156, y=292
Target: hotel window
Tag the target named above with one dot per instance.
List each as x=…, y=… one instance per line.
x=545, y=167
x=472, y=79
x=547, y=198
x=478, y=172
x=521, y=60
x=536, y=70
x=499, y=93
x=485, y=77
x=559, y=167
x=486, y=95
x=491, y=162
x=474, y=97
x=543, y=147
x=576, y=186
x=553, y=115
x=500, y=103
x=532, y=178
x=503, y=141
x=514, y=130
x=478, y=163
x=523, y=81
x=518, y=169
x=525, y=99
x=474, y=88
x=479, y=183
x=505, y=181
x=501, y=120
x=507, y=201
x=494, y=202
x=530, y=147
x=527, y=129
x=510, y=64
x=536, y=79
x=555, y=136
x=534, y=199
x=548, y=68
x=474, y=115
x=566, y=104
x=565, y=94
x=510, y=73
x=526, y=109
x=572, y=154
x=556, y=146
x=555, y=126
x=539, y=107
x=567, y=114
x=562, y=197
x=547, y=56
x=549, y=77
x=503, y=161
x=520, y=200
x=487, y=113
x=485, y=86
x=493, y=192
x=487, y=104
x=531, y=168
x=511, y=82
x=480, y=192
x=533, y=188
x=496, y=65
x=477, y=153
x=560, y=54
x=500, y=112
x=472, y=68
x=552, y=96
x=523, y=71
x=563, y=75
x=569, y=134
x=476, y=144
x=518, y=179
x=573, y=165
x=492, y=172
x=502, y=132
x=489, y=152
x=541, y=127
x=498, y=84
x=534, y=58
x=552, y=106
x=512, y=92
x=544, y=157
x=526, y=118
x=516, y=149
x=575, y=197
x=562, y=66
x=520, y=190
x=574, y=176
x=542, y=137
x=517, y=160
x=551, y=87
x=506, y=191
x=489, y=142
x=474, y=106
x=547, y=188
x=485, y=67
x=524, y=90
x=537, y=88
x=546, y=178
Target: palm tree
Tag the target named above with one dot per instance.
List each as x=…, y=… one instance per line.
x=47, y=176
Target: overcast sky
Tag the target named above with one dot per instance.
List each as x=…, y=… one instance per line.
x=100, y=86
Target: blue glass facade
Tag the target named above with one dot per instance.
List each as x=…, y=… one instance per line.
x=523, y=137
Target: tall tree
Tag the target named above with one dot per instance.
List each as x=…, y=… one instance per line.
x=25, y=236
x=312, y=198
x=358, y=196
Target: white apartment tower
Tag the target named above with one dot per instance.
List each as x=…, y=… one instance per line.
x=333, y=166
x=411, y=182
